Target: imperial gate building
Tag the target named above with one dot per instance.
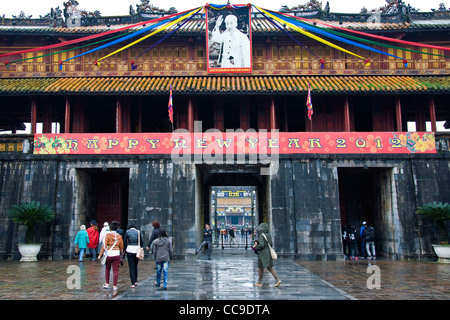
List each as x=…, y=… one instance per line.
x=100, y=144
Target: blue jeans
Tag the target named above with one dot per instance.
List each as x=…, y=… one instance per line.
x=81, y=253
x=164, y=265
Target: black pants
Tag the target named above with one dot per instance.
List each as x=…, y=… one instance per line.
x=133, y=267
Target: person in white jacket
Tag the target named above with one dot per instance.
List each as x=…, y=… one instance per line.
x=103, y=233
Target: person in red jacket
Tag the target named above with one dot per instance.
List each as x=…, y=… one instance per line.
x=93, y=239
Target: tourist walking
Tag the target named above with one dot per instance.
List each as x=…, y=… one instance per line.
x=363, y=243
x=155, y=235
x=207, y=241
x=113, y=243
x=352, y=243
x=369, y=239
x=93, y=239
x=265, y=260
x=132, y=241
x=103, y=233
x=162, y=248
x=232, y=235
x=82, y=240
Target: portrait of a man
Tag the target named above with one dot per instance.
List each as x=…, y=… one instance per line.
x=229, y=41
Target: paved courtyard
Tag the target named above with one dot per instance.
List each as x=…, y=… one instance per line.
x=230, y=275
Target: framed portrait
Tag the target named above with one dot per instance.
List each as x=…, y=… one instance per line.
x=229, y=39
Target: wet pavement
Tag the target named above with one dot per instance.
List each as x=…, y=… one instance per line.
x=230, y=275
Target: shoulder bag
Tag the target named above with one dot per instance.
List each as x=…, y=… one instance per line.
x=273, y=254
x=105, y=254
x=139, y=251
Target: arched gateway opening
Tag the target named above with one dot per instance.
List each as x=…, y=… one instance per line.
x=232, y=197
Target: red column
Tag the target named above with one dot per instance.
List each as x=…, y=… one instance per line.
x=433, y=114
x=190, y=115
x=118, y=116
x=33, y=115
x=67, y=116
x=273, y=124
x=346, y=115
x=398, y=114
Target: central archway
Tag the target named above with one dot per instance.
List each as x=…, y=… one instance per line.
x=248, y=194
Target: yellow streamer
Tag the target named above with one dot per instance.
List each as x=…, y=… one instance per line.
x=151, y=34
x=308, y=34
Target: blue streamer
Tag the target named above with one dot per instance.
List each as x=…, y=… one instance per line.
x=329, y=35
x=165, y=37
x=124, y=38
x=282, y=29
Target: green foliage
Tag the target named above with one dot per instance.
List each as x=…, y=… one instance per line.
x=437, y=211
x=30, y=214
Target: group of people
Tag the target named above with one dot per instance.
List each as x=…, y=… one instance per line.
x=366, y=237
x=118, y=243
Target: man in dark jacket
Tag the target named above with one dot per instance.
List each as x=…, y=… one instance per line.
x=369, y=239
x=207, y=241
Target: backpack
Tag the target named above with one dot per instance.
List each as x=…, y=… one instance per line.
x=369, y=234
x=352, y=236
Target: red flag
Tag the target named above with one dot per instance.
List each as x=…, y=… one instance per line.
x=171, y=105
x=309, y=105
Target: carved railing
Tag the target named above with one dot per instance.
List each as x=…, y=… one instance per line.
x=199, y=67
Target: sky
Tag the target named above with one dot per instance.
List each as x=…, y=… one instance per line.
x=38, y=8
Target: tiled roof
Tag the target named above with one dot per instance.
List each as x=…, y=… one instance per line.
x=259, y=25
x=226, y=84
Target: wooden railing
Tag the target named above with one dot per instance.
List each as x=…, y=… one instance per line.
x=199, y=67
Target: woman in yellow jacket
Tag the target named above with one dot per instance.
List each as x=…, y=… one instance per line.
x=113, y=243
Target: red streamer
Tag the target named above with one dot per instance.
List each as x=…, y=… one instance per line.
x=372, y=35
x=66, y=43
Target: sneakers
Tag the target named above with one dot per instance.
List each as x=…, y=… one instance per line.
x=106, y=286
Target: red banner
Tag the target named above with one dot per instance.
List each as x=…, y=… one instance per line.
x=237, y=142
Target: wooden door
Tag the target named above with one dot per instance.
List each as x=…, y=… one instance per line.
x=109, y=203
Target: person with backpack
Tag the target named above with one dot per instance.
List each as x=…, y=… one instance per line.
x=369, y=239
x=345, y=242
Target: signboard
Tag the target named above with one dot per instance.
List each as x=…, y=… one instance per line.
x=229, y=39
x=181, y=142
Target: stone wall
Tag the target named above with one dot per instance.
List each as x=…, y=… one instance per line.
x=302, y=202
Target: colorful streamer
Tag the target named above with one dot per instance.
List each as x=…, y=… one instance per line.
x=379, y=43
x=161, y=40
x=94, y=36
x=310, y=35
x=153, y=33
x=304, y=26
x=123, y=38
x=333, y=36
x=287, y=33
x=417, y=44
